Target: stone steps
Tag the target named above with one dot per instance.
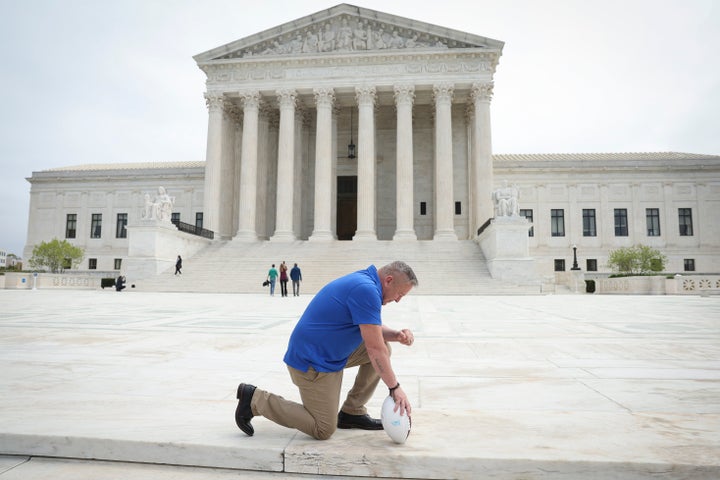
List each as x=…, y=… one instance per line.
x=443, y=268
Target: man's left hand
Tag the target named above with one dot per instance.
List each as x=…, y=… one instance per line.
x=405, y=337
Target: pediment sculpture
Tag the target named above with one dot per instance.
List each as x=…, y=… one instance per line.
x=347, y=34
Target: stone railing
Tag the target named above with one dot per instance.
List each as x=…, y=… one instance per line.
x=46, y=281
x=657, y=285
x=697, y=284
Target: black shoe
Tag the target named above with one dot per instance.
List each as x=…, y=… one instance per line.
x=243, y=412
x=363, y=422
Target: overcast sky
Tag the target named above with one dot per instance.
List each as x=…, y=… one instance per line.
x=112, y=81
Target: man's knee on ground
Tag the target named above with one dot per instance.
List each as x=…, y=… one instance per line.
x=324, y=432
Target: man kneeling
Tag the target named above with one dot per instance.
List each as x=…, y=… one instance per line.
x=340, y=328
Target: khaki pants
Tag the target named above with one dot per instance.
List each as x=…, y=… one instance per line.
x=320, y=394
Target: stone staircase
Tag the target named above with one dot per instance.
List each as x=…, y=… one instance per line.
x=442, y=268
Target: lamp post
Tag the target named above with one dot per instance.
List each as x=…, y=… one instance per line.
x=351, y=145
x=575, y=264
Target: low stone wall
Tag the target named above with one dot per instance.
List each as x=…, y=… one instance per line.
x=70, y=281
x=658, y=285
x=697, y=285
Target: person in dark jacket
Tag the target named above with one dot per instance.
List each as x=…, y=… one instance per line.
x=178, y=266
x=296, y=277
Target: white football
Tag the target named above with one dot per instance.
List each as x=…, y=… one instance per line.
x=395, y=425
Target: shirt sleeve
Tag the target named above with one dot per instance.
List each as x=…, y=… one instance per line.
x=365, y=304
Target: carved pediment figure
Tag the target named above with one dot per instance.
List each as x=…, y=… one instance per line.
x=346, y=28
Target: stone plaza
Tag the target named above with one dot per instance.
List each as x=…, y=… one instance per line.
x=141, y=385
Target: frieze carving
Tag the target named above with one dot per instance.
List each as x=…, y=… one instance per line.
x=346, y=34
x=290, y=69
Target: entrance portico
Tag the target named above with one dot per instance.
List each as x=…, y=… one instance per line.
x=281, y=105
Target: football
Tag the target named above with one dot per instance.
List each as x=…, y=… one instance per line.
x=395, y=425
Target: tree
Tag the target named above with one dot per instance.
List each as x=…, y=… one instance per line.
x=639, y=259
x=55, y=255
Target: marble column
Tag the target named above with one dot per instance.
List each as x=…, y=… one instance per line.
x=227, y=172
x=366, y=164
x=481, y=160
x=324, y=98
x=444, y=200
x=213, y=161
x=286, y=163
x=249, y=167
x=404, y=97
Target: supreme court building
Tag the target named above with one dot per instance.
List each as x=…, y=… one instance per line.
x=352, y=124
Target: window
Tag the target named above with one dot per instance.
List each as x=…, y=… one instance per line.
x=199, y=219
x=685, y=220
x=92, y=263
x=121, y=226
x=118, y=263
x=557, y=222
x=175, y=218
x=621, y=225
x=559, y=264
x=652, y=215
x=591, y=265
x=528, y=213
x=423, y=208
x=589, y=229
x=96, y=225
x=689, y=264
x=70, y=225
x=458, y=208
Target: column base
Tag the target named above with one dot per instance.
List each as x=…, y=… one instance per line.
x=246, y=236
x=283, y=237
x=404, y=235
x=363, y=236
x=445, y=236
x=321, y=236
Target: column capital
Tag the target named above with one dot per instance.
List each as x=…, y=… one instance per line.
x=324, y=97
x=286, y=97
x=443, y=92
x=214, y=100
x=365, y=95
x=404, y=94
x=482, y=92
x=250, y=99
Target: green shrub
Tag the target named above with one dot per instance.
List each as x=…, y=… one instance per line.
x=590, y=286
x=636, y=260
x=107, y=282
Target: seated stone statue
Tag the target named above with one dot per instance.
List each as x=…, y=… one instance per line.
x=506, y=201
x=160, y=208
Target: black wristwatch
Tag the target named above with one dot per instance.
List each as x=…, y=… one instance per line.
x=392, y=390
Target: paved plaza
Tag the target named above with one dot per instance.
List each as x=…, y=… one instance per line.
x=137, y=385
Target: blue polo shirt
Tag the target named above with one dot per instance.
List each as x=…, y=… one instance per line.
x=328, y=331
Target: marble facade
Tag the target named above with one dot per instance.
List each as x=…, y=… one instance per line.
x=284, y=104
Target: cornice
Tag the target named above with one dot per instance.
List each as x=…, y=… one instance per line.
x=458, y=67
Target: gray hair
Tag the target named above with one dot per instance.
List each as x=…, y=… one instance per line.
x=400, y=267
